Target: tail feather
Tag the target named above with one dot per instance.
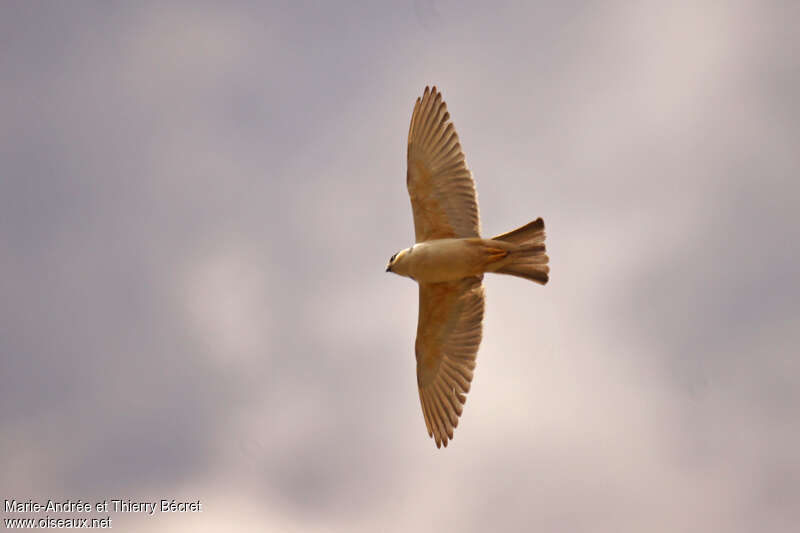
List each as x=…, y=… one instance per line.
x=530, y=233
x=528, y=259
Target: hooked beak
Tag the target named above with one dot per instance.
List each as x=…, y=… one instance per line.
x=388, y=268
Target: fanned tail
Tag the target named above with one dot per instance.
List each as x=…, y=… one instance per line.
x=529, y=258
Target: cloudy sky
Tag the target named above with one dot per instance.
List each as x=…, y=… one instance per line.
x=197, y=202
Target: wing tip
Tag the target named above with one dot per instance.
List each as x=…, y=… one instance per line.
x=431, y=90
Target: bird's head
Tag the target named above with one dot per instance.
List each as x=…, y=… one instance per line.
x=397, y=263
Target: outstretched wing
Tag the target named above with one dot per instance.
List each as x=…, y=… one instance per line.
x=439, y=183
x=448, y=336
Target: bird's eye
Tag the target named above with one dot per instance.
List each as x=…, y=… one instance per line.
x=392, y=258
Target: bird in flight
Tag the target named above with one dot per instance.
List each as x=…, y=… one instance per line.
x=448, y=262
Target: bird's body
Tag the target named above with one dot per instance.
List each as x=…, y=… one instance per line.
x=449, y=260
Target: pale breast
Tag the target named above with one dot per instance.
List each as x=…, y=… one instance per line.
x=445, y=260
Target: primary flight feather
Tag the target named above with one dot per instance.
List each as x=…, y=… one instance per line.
x=448, y=262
